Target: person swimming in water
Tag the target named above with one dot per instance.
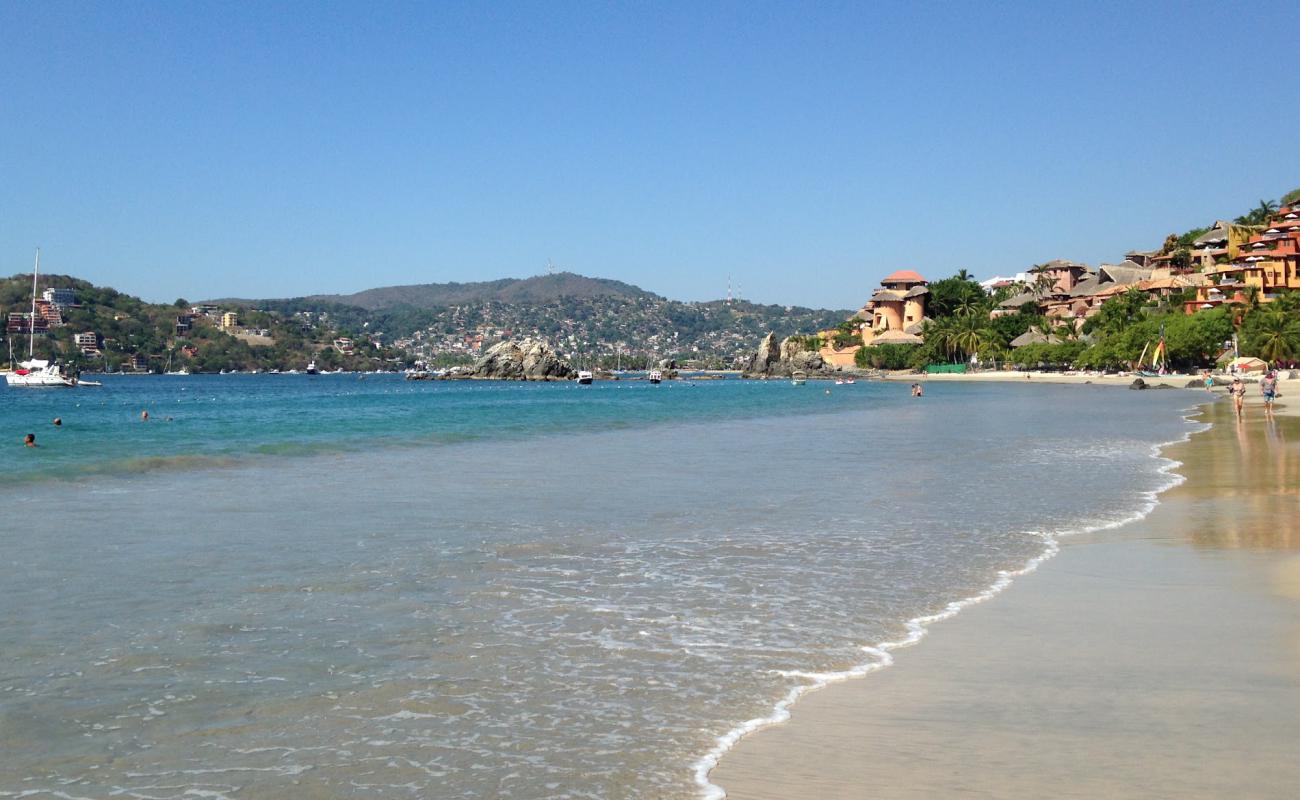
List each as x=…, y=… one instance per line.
x=30, y=440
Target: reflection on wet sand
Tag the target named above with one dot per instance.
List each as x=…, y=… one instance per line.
x=1247, y=485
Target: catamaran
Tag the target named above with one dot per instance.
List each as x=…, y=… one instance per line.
x=37, y=372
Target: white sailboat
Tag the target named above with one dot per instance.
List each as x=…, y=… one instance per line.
x=37, y=372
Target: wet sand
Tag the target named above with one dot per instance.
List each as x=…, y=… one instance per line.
x=1158, y=660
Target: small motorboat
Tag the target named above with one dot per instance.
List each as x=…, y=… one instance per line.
x=798, y=378
x=585, y=377
x=655, y=376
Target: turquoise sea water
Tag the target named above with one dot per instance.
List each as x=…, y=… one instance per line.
x=240, y=417
x=332, y=587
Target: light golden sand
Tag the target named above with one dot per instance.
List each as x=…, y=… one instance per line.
x=1287, y=387
x=1160, y=660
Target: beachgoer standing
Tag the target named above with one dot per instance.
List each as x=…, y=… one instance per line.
x=1209, y=381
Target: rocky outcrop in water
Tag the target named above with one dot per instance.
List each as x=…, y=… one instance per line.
x=528, y=360
x=791, y=355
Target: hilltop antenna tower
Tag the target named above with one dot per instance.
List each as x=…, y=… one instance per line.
x=728, y=288
x=550, y=267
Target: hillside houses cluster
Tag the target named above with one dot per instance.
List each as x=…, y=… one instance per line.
x=1227, y=264
x=48, y=315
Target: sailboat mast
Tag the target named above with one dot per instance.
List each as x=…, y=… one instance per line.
x=31, y=322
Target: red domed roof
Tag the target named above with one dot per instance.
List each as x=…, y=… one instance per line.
x=904, y=276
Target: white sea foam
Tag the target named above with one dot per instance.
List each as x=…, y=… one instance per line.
x=880, y=655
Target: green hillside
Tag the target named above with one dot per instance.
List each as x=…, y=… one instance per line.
x=594, y=320
x=132, y=335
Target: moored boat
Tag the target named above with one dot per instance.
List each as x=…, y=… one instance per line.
x=585, y=377
x=798, y=378
x=37, y=372
x=655, y=376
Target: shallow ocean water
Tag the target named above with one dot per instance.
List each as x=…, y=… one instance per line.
x=342, y=588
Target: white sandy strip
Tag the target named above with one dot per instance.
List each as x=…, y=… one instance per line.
x=880, y=654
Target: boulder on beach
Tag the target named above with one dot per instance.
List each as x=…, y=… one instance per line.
x=1138, y=383
x=527, y=360
x=793, y=354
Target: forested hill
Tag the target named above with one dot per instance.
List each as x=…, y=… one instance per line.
x=122, y=332
x=539, y=289
x=580, y=315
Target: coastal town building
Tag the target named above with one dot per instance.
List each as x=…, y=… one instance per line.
x=87, y=343
x=1059, y=276
x=1088, y=289
x=895, y=314
x=229, y=321
x=63, y=297
x=1211, y=247
x=22, y=322
x=896, y=311
x=1265, y=265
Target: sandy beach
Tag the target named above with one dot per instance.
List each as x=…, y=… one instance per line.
x=1157, y=660
x=1172, y=380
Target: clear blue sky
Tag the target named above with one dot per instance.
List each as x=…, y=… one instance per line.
x=806, y=149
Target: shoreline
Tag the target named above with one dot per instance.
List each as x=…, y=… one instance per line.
x=819, y=751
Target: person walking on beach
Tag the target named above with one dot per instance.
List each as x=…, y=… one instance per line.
x=1268, y=387
x=1238, y=392
x=1209, y=381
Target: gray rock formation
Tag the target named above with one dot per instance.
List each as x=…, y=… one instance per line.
x=1138, y=383
x=528, y=360
x=760, y=364
x=792, y=355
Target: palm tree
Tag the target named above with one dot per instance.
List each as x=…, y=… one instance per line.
x=963, y=274
x=970, y=301
x=1259, y=214
x=939, y=333
x=971, y=334
x=1066, y=330
x=1041, y=285
x=1279, y=337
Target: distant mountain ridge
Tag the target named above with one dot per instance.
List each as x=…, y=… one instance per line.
x=520, y=291
x=583, y=317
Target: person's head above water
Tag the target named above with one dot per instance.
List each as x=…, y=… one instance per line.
x=30, y=440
